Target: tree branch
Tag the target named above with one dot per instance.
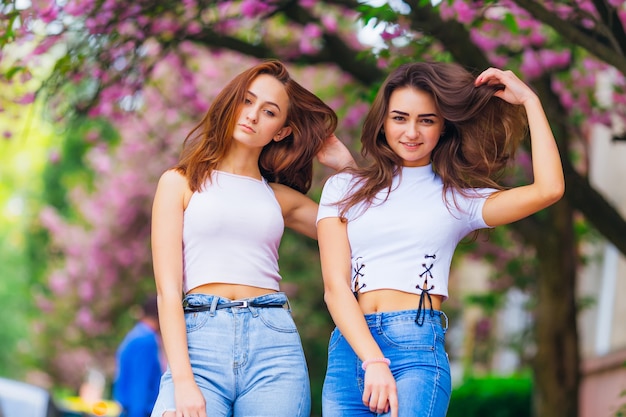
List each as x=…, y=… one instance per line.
x=452, y=34
x=613, y=23
x=575, y=35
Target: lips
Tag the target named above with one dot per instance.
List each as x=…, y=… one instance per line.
x=247, y=128
x=411, y=145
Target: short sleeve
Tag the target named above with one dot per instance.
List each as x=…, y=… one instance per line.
x=473, y=207
x=334, y=191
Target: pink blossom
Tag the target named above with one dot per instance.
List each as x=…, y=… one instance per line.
x=330, y=23
x=7, y=134
x=355, y=115
x=27, y=98
x=382, y=62
x=391, y=33
x=78, y=8
x=49, y=14
x=58, y=283
x=54, y=156
x=499, y=61
x=193, y=28
x=307, y=46
x=51, y=220
x=312, y=31
x=92, y=135
x=254, y=8
x=484, y=42
x=531, y=65
x=86, y=291
x=307, y=4
x=84, y=318
x=567, y=100
x=446, y=10
x=536, y=39
x=100, y=161
x=552, y=59
x=464, y=13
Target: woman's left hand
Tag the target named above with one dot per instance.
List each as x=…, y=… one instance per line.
x=334, y=154
x=515, y=91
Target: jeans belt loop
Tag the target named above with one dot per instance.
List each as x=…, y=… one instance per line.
x=445, y=316
x=213, y=306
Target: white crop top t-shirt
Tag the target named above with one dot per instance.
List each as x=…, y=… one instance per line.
x=232, y=228
x=407, y=241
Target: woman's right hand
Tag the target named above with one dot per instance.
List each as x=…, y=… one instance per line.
x=335, y=155
x=380, y=393
x=189, y=400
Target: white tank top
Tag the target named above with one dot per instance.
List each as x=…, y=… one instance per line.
x=232, y=229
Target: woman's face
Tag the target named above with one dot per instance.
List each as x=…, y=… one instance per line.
x=412, y=125
x=263, y=113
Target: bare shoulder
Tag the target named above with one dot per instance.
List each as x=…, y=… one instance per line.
x=172, y=177
x=281, y=189
x=174, y=184
x=283, y=194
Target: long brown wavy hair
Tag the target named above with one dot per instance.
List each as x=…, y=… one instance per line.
x=289, y=161
x=481, y=131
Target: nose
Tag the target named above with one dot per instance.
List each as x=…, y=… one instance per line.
x=252, y=114
x=411, y=131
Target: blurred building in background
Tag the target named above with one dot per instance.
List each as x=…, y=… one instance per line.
x=603, y=281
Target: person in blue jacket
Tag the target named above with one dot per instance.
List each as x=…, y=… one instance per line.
x=139, y=365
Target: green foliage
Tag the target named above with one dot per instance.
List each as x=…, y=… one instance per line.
x=14, y=296
x=493, y=397
x=377, y=14
x=20, y=165
x=70, y=170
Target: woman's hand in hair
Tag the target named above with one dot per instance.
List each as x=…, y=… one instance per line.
x=515, y=91
x=335, y=155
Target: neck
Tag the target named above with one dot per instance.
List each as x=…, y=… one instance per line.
x=241, y=162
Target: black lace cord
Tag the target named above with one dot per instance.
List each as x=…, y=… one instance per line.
x=356, y=291
x=355, y=279
x=421, y=309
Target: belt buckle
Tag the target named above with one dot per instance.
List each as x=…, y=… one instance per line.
x=244, y=304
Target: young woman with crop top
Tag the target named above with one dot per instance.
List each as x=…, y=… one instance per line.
x=436, y=137
x=218, y=218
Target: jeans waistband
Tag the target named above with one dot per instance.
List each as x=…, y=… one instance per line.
x=193, y=303
x=431, y=316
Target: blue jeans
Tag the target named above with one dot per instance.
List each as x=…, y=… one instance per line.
x=419, y=364
x=247, y=361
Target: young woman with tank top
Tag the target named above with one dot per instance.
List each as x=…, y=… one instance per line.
x=436, y=137
x=218, y=218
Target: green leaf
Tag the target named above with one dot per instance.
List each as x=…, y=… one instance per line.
x=511, y=23
x=14, y=70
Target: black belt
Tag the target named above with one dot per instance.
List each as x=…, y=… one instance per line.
x=235, y=304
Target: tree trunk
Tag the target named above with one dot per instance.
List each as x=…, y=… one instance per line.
x=556, y=362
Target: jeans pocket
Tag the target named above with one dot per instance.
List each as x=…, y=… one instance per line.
x=335, y=337
x=409, y=336
x=195, y=321
x=277, y=319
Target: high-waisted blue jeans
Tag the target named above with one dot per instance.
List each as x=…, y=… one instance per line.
x=419, y=364
x=246, y=361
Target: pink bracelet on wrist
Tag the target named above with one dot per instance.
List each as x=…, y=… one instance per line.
x=374, y=360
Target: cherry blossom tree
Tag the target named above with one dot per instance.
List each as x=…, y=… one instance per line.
x=151, y=67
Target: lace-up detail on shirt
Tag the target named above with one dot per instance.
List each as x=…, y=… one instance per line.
x=357, y=268
x=425, y=290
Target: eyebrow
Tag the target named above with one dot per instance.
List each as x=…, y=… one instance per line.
x=267, y=102
x=419, y=115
